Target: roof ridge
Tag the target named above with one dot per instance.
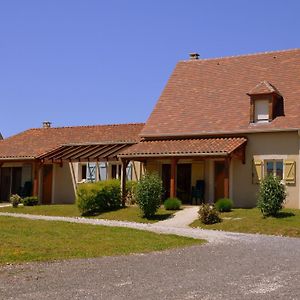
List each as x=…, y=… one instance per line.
x=85, y=126
x=241, y=55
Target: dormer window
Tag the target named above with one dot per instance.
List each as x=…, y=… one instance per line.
x=266, y=103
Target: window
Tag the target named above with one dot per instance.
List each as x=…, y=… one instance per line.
x=83, y=172
x=283, y=169
x=116, y=171
x=261, y=111
x=274, y=167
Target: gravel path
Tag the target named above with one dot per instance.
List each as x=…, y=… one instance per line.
x=212, y=236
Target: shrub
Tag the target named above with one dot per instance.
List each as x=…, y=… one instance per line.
x=30, y=201
x=224, y=205
x=86, y=198
x=93, y=198
x=271, y=196
x=148, y=192
x=208, y=214
x=172, y=204
x=131, y=192
x=110, y=194
x=15, y=200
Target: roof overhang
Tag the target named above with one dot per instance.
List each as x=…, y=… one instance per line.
x=202, y=148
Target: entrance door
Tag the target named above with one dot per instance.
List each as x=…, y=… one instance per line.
x=16, y=180
x=219, y=179
x=47, y=184
x=184, y=174
x=5, y=178
x=166, y=177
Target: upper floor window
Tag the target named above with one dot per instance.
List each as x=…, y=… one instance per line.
x=261, y=108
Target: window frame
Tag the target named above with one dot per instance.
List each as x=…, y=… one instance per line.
x=265, y=101
x=273, y=161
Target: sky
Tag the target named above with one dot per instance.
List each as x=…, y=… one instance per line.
x=75, y=62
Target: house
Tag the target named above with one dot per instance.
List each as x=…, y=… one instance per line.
x=218, y=128
x=49, y=162
x=223, y=124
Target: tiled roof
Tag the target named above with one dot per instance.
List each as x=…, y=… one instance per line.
x=209, y=96
x=35, y=142
x=203, y=146
x=263, y=87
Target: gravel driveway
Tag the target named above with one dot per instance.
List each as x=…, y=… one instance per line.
x=256, y=267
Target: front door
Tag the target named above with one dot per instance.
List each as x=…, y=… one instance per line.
x=16, y=180
x=5, y=184
x=166, y=177
x=219, y=179
x=47, y=184
x=184, y=174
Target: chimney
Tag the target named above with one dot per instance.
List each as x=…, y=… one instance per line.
x=46, y=124
x=194, y=56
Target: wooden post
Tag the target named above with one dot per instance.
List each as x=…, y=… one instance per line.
x=123, y=181
x=226, y=177
x=173, y=177
x=36, y=179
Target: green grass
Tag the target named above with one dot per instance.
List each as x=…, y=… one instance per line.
x=251, y=221
x=34, y=240
x=131, y=214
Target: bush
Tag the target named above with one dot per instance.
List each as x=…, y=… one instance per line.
x=224, y=205
x=86, y=198
x=131, y=192
x=172, y=204
x=30, y=201
x=208, y=214
x=148, y=192
x=93, y=198
x=271, y=196
x=15, y=200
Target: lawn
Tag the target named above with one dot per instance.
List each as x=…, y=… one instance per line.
x=34, y=240
x=131, y=214
x=251, y=221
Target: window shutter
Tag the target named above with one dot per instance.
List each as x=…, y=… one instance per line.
x=257, y=171
x=290, y=171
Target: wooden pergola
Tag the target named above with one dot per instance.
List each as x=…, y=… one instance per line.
x=71, y=153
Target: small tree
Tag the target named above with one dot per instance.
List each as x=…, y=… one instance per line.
x=148, y=192
x=271, y=196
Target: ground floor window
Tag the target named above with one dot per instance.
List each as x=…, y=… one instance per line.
x=283, y=169
x=274, y=167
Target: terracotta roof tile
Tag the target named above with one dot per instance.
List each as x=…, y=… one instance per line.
x=209, y=96
x=203, y=146
x=35, y=142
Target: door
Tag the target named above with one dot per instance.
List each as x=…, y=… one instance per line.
x=47, y=184
x=184, y=174
x=16, y=180
x=219, y=179
x=166, y=177
x=5, y=183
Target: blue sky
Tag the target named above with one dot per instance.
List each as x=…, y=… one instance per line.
x=77, y=62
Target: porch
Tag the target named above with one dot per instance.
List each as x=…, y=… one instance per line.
x=194, y=170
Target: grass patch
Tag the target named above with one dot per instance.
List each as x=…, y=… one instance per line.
x=287, y=223
x=34, y=240
x=131, y=214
